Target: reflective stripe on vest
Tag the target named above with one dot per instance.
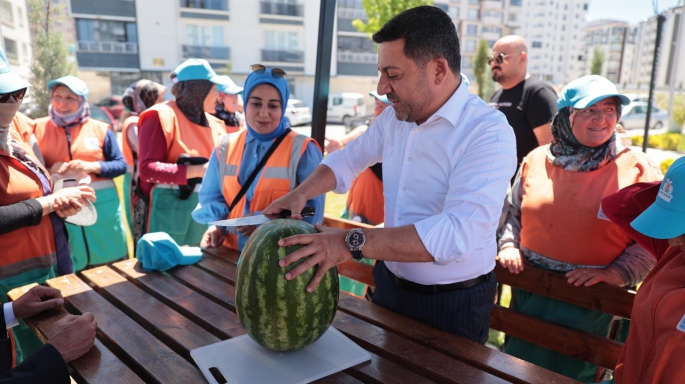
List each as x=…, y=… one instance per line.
x=278, y=177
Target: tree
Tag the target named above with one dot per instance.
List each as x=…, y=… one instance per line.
x=380, y=11
x=480, y=67
x=49, y=52
x=597, y=62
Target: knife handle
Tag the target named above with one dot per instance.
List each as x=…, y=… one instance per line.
x=306, y=211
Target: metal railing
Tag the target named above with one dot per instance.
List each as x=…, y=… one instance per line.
x=352, y=13
x=215, y=5
x=358, y=57
x=203, y=52
x=282, y=56
x=270, y=8
x=107, y=47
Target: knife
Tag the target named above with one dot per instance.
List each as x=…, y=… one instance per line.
x=261, y=219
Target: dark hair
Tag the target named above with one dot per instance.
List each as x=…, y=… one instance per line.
x=428, y=32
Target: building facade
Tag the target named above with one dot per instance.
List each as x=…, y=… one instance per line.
x=15, y=36
x=613, y=39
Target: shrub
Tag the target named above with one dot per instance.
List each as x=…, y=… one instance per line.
x=665, y=141
x=665, y=164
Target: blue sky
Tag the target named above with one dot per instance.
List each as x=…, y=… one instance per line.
x=631, y=11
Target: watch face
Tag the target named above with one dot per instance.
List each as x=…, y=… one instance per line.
x=356, y=239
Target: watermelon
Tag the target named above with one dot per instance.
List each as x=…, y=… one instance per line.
x=280, y=314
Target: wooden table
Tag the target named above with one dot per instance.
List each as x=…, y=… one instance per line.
x=148, y=322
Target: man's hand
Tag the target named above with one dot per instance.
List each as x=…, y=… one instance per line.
x=592, y=276
x=325, y=249
x=511, y=259
x=293, y=201
x=37, y=300
x=73, y=335
x=212, y=238
x=56, y=167
x=331, y=145
x=246, y=230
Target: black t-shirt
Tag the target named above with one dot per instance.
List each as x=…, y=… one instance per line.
x=528, y=105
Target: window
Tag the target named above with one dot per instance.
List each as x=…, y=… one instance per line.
x=11, y=49
x=6, y=14
x=355, y=4
x=472, y=29
x=473, y=14
x=281, y=41
x=20, y=16
x=106, y=30
x=494, y=14
x=473, y=1
x=537, y=44
x=205, y=35
x=356, y=44
x=454, y=12
x=470, y=46
x=444, y=7
x=516, y=3
x=218, y=5
x=512, y=17
x=337, y=100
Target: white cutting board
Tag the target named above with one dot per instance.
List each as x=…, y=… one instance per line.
x=242, y=361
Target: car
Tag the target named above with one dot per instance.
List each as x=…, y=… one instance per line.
x=112, y=104
x=634, y=116
x=342, y=107
x=101, y=114
x=297, y=113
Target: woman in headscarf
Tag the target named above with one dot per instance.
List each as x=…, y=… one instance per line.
x=238, y=155
x=140, y=96
x=555, y=220
x=176, y=139
x=76, y=146
x=32, y=235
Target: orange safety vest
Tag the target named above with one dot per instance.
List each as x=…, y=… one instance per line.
x=183, y=136
x=560, y=212
x=27, y=248
x=365, y=198
x=87, y=141
x=125, y=146
x=23, y=125
x=277, y=178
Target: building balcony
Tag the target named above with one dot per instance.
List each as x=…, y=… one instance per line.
x=108, y=55
x=279, y=56
x=358, y=57
x=210, y=5
x=209, y=53
x=107, y=47
x=352, y=13
x=279, y=9
x=119, y=8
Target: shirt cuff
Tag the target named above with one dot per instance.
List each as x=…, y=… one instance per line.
x=10, y=319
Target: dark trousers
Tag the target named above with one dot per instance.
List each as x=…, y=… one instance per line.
x=464, y=312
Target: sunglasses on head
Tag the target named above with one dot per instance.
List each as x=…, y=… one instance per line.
x=275, y=72
x=18, y=96
x=499, y=59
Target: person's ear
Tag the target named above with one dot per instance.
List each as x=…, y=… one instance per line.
x=440, y=70
x=524, y=56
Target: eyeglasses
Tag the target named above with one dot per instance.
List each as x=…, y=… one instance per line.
x=275, y=72
x=500, y=58
x=18, y=96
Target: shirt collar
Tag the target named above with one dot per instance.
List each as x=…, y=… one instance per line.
x=453, y=108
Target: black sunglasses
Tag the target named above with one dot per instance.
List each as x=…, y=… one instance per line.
x=275, y=72
x=18, y=96
x=500, y=58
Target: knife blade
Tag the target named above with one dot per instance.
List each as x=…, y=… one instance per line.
x=261, y=219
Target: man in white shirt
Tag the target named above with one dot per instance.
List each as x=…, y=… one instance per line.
x=447, y=160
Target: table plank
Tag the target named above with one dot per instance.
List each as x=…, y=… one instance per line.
x=215, y=318
x=175, y=330
x=427, y=362
x=148, y=357
x=499, y=364
x=99, y=365
x=216, y=289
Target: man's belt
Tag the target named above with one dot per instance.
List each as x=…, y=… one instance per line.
x=440, y=288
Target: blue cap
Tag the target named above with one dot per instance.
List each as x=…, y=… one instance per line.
x=665, y=218
x=228, y=86
x=196, y=69
x=75, y=84
x=158, y=251
x=382, y=98
x=9, y=81
x=585, y=91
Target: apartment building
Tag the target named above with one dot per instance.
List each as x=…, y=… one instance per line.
x=612, y=38
x=554, y=30
x=15, y=36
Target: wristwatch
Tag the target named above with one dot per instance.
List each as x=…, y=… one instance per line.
x=355, y=240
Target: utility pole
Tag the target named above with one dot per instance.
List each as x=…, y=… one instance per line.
x=659, y=26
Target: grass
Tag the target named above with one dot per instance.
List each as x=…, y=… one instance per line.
x=119, y=182
x=496, y=338
x=335, y=204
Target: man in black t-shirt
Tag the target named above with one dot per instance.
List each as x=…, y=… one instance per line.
x=528, y=103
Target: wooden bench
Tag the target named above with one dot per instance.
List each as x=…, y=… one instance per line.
x=571, y=342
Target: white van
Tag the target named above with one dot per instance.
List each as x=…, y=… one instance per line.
x=344, y=106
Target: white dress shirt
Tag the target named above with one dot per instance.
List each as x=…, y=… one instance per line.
x=448, y=177
x=10, y=319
